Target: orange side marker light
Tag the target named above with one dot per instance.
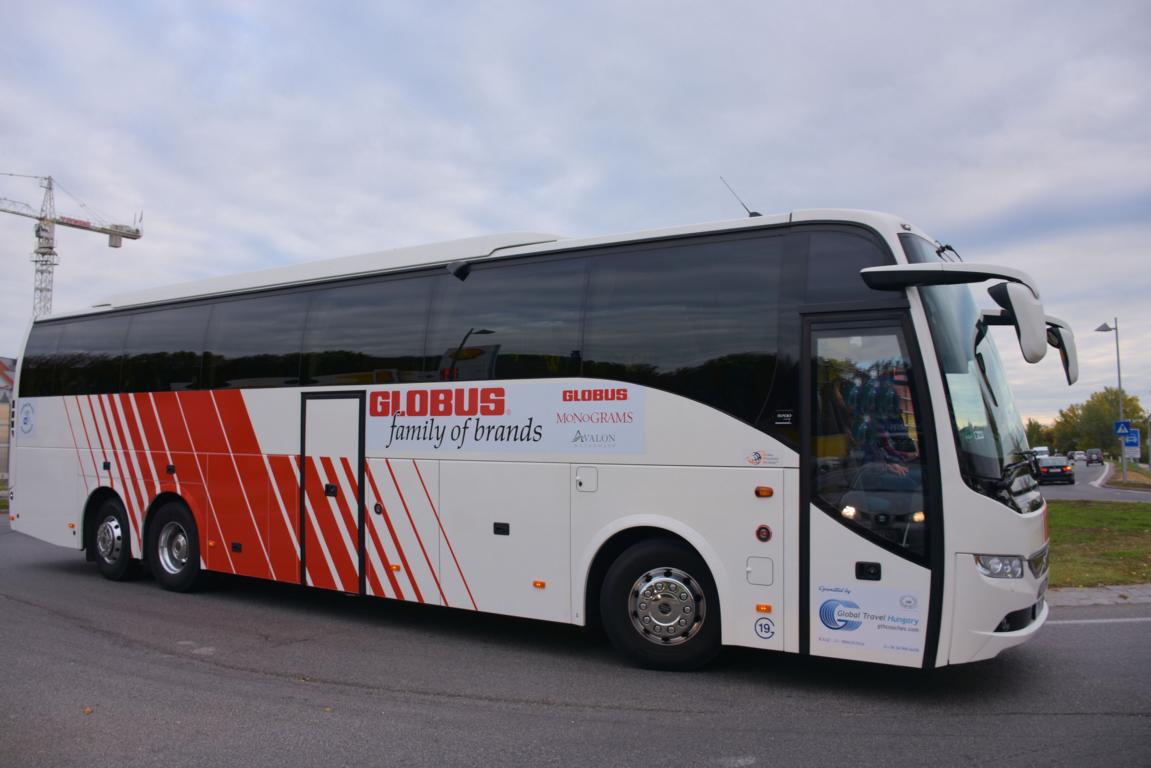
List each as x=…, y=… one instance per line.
x=764, y=492
x=763, y=608
x=539, y=584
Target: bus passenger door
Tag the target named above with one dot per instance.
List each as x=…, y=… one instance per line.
x=331, y=490
x=866, y=576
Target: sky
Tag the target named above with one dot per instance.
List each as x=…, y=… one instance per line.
x=254, y=134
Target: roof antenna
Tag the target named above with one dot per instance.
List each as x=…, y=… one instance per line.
x=750, y=212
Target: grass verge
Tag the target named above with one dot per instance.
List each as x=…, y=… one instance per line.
x=3, y=498
x=1138, y=477
x=1097, y=543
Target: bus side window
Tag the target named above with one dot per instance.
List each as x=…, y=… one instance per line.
x=834, y=259
x=509, y=321
x=164, y=349
x=255, y=341
x=90, y=355
x=38, y=369
x=698, y=319
x=370, y=332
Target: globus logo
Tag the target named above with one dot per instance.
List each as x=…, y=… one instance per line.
x=594, y=395
x=463, y=401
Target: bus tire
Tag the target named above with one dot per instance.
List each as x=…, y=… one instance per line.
x=112, y=540
x=174, y=548
x=659, y=606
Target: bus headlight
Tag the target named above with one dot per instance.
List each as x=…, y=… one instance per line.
x=1000, y=566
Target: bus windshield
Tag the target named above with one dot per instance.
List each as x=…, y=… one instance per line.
x=989, y=432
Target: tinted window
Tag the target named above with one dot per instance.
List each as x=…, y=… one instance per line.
x=696, y=319
x=508, y=321
x=868, y=469
x=38, y=370
x=368, y=333
x=90, y=354
x=834, y=259
x=255, y=342
x=164, y=349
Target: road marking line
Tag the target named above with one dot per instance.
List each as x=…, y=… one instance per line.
x=1101, y=621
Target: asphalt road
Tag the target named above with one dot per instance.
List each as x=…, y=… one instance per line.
x=1084, y=490
x=94, y=673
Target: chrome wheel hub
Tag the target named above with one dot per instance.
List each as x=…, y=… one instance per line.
x=667, y=606
x=109, y=540
x=173, y=548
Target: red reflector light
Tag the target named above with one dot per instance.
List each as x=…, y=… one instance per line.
x=1043, y=470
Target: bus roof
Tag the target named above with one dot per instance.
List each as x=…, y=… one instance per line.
x=467, y=249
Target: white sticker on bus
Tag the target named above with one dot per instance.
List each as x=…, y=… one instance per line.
x=518, y=417
x=870, y=617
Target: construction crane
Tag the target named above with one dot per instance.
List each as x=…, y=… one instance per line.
x=44, y=257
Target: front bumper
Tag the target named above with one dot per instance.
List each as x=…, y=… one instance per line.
x=992, y=615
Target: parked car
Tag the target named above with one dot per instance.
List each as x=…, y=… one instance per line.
x=1079, y=456
x=1056, y=469
x=1094, y=456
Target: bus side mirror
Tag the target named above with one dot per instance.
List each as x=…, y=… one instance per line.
x=1059, y=335
x=1027, y=312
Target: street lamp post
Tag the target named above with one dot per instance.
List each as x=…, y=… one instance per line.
x=1119, y=371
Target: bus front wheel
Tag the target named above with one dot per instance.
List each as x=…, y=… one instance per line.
x=113, y=543
x=174, y=548
x=659, y=606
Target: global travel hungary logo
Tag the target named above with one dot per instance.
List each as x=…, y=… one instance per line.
x=841, y=614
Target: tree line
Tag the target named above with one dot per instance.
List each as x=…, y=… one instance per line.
x=1091, y=425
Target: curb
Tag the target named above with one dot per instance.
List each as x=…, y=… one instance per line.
x=1117, y=595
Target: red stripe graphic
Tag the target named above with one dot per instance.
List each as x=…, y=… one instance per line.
x=247, y=477
x=182, y=452
x=372, y=543
x=444, y=533
x=79, y=458
x=280, y=540
x=99, y=440
x=285, y=541
x=142, y=456
x=127, y=472
x=135, y=515
x=88, y=440
x=320, y=567
x=144, y=407
x=345, y=519
x=325, y=524
x=395, y=539
x=224, y=487
x=415, y=530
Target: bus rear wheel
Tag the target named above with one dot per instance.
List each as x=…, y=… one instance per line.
x=112, y=540
x=174, y=548
x=660, y=608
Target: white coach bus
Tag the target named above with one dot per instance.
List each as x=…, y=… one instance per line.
x=791, y=433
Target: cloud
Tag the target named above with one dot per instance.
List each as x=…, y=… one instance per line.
x=254, y=134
